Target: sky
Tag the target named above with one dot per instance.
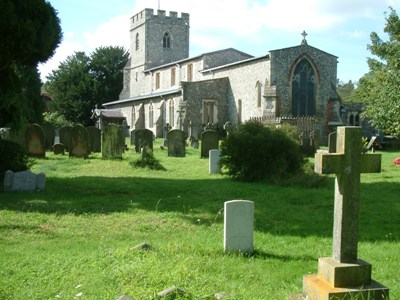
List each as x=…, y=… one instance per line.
x=339, y=27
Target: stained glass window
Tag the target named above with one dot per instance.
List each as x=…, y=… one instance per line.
x=303, y=89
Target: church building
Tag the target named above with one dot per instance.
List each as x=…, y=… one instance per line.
x=162, y=84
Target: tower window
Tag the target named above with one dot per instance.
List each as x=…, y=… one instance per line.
x=166, y=40
x=137, y=41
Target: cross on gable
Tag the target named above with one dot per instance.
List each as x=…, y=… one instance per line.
x=347, y=163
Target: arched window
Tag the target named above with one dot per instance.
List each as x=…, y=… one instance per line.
x=351, y=120
x=166, y=40
x=357, y=120
x=303, y=89
x=133, y=118
x=137, y=41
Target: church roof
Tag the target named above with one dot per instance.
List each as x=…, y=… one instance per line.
x=146, y=96
x=302, y=46
x=198, y=57
x=235, y=63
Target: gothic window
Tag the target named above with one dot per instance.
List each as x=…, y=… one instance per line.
x=171, y=112
x=351, y=120
x=151, y=115
x=209, y=111
x=166, y=40
x=258, y=93
x=137, y=41
x=357, y=120
x=303, y=89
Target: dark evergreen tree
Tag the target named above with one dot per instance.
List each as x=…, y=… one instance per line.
x=30, y=32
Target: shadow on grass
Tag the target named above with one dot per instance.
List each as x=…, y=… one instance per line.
x=278, y=210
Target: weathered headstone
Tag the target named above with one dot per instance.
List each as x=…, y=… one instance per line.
x=94, y=135
x=35, y=141
x=64, y=136
x=209, y=141
x=79, y=142
x=111, y=142
x=122, y=136
x=132, y=137
x=332, y=142
x=239, y=226
x=50, y=134
x=59, y=149
x=176, y=143
x=23, y=181
x=228, y=127
x=214, y=159
x=344, y=276
x=143, y=138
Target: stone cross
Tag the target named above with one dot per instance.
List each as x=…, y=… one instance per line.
x=347, y=163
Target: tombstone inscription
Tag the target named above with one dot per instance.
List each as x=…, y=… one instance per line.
x=344, y=275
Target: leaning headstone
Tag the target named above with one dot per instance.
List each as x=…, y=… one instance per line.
x=344, y=275
x=111, y=142
x=64, y=136
x=35, y=141
x=143, y=138
x=79, y=142
x=50, y=134
x=122, y=136
x=209, y=141
x=23, y=181
x=176, y=143
x=239, y=226
x=94, y=135
x=214, y=159
x=332, y=142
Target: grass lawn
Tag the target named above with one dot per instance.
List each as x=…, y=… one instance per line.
x=76, y=239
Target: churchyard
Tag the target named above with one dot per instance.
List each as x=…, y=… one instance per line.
x=78, y=238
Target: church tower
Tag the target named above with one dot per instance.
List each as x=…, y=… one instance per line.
x=155, y=40
x=158, y=39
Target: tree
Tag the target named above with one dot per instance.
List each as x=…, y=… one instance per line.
x=82, y=82
x=345, y=89
x=30, y=32
x=106, y=66
x=379, y=89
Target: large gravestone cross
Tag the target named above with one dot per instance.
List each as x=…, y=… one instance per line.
x=347, y=163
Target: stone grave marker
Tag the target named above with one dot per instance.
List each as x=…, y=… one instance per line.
x=111, y=142
x=344, y=276
x=50, y=134
x=64, y=136
x=176, y=143
x=35, y=141
x=332, y=142
x=132, y=137
x=122, y=136
x=79, y=142
x=23, y=181
x=209, y=141
x=239, y=226
x=213, y=164
x=94, y=135
x=59, y=149
x=143, y=138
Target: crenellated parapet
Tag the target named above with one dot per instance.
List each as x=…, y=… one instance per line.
x=148, y=13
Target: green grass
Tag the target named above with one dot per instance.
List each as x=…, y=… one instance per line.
x=75, y=240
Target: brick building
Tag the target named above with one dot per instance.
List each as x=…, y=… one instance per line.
x=162, y=84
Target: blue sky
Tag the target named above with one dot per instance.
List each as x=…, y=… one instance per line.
x=339, y=27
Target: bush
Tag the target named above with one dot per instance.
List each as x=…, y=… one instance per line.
x=256, y=152
x=13, y=157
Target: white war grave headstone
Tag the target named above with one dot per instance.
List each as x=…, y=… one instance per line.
x=238, y=226
x=344, y=276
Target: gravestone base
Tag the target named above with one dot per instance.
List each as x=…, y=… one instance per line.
x=341, y=281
